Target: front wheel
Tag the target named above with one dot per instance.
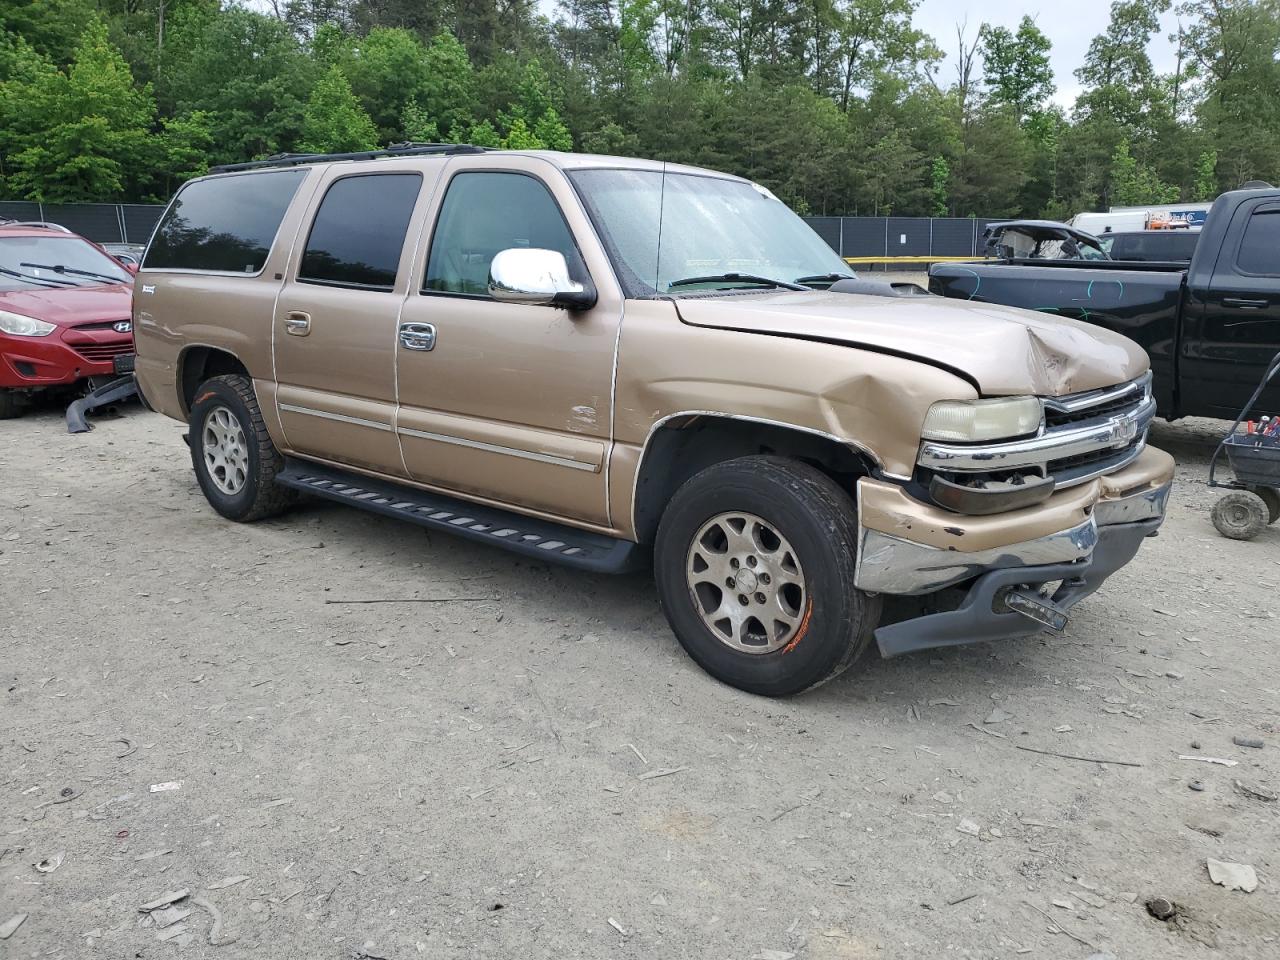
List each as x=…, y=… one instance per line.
x=754, y=563
x=235, y=461
x=1271, y=497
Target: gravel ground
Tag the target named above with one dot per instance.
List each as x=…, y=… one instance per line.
x=537, y=770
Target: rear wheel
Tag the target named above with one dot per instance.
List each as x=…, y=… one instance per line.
x=1240, y=515
x=235, y=461
x=754, y=562
x=10, y=404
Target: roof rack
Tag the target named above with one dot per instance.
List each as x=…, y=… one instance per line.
x=394, y=150
x=41, y=224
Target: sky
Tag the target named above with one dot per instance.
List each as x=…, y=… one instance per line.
x=1069, y=24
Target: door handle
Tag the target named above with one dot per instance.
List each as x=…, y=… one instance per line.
x=418, y=336
x=297, y=323
x=1241, y=302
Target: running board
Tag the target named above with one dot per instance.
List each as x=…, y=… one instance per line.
x=542, y=539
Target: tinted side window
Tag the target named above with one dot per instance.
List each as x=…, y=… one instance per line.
x=359, y=231
x=1260, y=247
x=486, y=213
x=227, y=223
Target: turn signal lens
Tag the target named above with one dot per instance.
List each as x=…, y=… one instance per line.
x=971, y=421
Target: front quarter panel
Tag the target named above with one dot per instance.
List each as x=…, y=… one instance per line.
x=874, y=402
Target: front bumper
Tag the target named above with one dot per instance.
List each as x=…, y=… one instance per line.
x=63, y=357
x=1080, y=537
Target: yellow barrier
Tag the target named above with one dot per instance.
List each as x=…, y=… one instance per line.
x=909, y=259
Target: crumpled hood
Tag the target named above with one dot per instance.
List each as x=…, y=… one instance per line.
x=71, y=306
x=1005, y=350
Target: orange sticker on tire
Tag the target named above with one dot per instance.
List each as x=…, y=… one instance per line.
x=802, y=629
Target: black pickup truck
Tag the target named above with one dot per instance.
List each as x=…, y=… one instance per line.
x=1210, y=328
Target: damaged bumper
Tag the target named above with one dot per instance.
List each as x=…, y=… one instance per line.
x=1078, y=537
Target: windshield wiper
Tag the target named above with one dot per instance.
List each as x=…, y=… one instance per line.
x=824, y=278
x=48, y=281
x=737, y=278
x=60, y=268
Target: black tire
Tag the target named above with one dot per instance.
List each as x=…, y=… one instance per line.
x=818, y=521
x=10, y=404
x=258, y=460
x=1271, y=497
x=1240, y=515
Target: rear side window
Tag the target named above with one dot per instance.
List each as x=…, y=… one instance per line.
x=1260, y=246
x=359, y=231
x=225, y=224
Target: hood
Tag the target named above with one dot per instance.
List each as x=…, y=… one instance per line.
x=1004, y=351
x=72, y=306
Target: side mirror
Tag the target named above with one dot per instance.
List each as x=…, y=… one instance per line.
x=537, y=278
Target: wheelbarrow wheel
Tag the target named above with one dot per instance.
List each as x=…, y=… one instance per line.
x=1271, y=497
x=1240, y=515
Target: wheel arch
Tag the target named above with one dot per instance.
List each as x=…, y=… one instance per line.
x=197, y=363
x=683, y=444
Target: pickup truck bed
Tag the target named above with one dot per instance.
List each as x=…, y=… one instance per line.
x=1210, y=328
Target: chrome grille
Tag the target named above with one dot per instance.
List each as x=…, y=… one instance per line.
x=1083, y=436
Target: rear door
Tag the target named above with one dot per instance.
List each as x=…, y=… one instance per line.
x=508, y=402
x=1232, y=327
x=335, y=319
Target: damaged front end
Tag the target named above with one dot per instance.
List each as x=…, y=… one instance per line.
x=1001, y=539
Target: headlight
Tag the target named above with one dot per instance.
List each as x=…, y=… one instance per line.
x=974, y=420
x=23, y=326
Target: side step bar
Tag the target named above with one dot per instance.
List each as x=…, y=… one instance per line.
x=526, y=535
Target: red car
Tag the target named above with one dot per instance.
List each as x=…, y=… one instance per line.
x=65, y=308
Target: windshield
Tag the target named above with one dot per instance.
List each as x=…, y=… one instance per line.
x=681, y=233
x=55, y=261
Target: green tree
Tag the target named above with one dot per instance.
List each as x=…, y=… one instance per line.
x=1206, y=185
x=939, y=176
x=1016, y=67
x=1133, y=184
x=81, y=134
x=334, y=121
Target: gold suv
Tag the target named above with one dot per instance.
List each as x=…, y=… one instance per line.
x=596, y=360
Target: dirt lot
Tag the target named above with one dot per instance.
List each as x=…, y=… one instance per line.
x=536, y=770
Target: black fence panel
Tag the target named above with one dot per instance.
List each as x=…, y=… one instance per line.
x=902, y=236
x=863, y=237
x=139, y=220
x=19, y=210
x=908, y=236
x=952, y=237
x=828, y=228
x=99, y=222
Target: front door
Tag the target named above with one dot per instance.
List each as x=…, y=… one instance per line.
x=1232, y=328
x=335, y=322
x=506, y=401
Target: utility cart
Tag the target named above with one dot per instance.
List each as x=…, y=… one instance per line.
x=1254, y=500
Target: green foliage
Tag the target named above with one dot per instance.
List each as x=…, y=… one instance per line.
x=1206, y=185
x=1017, y=69
x=1134, y=184
x=835, y=105
x=939, y=176
x=334, y=121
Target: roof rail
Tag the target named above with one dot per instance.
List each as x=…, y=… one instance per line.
x=42, y=224
x=394, y=150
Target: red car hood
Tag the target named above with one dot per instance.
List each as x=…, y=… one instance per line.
x=72, y=306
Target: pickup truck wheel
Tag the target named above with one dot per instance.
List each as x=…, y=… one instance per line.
x=1240, y=515
x=754, y=563
x=235, y=461
x=10, y=405
x=1271, y=497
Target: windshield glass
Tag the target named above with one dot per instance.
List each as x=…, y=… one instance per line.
x=55, y=261
x=711, y=233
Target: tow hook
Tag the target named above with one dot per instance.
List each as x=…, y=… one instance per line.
x=1036, y=607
